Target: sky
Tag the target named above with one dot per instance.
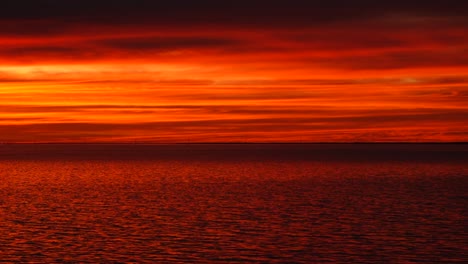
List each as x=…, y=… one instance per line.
x=233, y=71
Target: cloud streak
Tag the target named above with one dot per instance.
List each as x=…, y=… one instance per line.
x=239, y=71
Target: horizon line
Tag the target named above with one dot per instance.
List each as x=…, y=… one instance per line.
x=233, y=143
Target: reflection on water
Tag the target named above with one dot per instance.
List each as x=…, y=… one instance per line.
x=228, y=211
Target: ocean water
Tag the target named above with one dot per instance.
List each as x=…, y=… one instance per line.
x=233, y=203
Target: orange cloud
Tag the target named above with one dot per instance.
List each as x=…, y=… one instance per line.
x=393, y=77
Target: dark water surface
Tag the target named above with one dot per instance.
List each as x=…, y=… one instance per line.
x=234, y=203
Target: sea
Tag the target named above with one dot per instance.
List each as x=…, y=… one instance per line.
x=233, y=203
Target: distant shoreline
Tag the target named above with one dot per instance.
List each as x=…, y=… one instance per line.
x=352, y=151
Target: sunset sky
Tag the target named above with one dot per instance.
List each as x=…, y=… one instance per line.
x=233, y=71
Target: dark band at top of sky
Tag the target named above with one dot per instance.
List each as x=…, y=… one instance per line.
x=295, y=12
